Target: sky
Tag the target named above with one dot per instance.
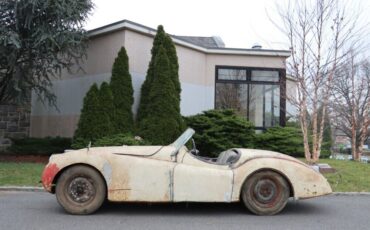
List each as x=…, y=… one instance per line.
x=240, y=23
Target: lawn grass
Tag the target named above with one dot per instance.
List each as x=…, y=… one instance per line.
x=350, y=176
x=20, y=174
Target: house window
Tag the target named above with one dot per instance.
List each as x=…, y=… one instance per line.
x=265, y=75
x=232, y=74
x=254, y=93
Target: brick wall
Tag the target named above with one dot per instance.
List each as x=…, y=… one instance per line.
x=14, y=123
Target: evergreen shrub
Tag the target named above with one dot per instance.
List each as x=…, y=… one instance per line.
x=219, y=130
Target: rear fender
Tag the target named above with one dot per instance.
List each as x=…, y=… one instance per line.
x=305, y=182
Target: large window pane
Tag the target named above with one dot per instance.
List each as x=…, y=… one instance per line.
x=276, y=97
x=264, y=105
x=253, y=93
x=232, y=74
x=256, y=105
x=265, y=75
x=232, y=96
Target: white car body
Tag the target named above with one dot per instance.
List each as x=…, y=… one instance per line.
x=174, y=174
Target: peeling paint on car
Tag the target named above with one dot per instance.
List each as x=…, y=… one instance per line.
x=107, y=172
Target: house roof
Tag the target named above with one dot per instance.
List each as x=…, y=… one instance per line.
x=209, y=45
x=206, y=42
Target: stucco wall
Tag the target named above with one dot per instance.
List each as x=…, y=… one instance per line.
x=196, y=72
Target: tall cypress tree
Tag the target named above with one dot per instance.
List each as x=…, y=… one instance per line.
x=172, y=56
x=106, y=108
x=145, y=87
x=121, y=86
x=161, y=41
x=96, y=115
x=161, y=126
x=170, y=48
x=86, y=129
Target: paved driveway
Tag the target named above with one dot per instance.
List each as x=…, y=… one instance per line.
x=39, y=210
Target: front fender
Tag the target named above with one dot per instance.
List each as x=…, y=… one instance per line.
x=305, y=182
x=59, y=162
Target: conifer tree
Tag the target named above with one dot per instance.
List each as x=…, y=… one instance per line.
x=172, y=56
x=161, y=41
x=96, y=115
x=106, y=109
x=86, y=129
x=121, y=86
x=161, y=126
x=145, y=88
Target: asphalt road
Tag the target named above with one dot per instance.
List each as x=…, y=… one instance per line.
x=39, y=210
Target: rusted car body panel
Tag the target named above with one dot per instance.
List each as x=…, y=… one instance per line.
x=173, y=174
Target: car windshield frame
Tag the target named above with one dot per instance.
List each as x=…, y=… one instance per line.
x=182, y=140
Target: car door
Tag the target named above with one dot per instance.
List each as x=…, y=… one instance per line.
x=198, y=181
x=141, y=179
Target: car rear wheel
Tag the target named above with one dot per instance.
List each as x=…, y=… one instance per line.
x=265, y=193
x=80, y=190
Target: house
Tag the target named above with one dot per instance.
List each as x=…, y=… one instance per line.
x=252, y=81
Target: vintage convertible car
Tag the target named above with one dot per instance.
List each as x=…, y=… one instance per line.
x=263, y=180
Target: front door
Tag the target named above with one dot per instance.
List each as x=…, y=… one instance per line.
x=199, y=181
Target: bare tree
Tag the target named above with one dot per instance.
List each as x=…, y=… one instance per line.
x=351, y=102
x=319, y=31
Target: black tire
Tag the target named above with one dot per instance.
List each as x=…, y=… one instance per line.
x=80, y=190
x=265, y=193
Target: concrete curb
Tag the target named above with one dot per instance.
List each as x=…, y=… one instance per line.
x=21, y=189
x=351, y=193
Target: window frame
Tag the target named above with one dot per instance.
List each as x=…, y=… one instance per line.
x=248, y=81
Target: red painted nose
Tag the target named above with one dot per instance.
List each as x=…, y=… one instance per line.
x=48, y=175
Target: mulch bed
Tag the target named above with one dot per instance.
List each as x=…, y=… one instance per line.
x=24, y=158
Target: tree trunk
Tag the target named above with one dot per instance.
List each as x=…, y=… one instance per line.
x=314, y=131
x=304, y=130
x=364, y=130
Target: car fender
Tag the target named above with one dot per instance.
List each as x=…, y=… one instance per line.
x=59, y=162
x=305, y=182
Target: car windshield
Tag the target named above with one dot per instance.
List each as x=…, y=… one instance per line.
x=185, y=136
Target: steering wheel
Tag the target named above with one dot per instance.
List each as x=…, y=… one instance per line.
x=194, y=150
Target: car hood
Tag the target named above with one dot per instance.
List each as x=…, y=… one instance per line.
x=119, y=150
x=127, y=150
x=153, y=152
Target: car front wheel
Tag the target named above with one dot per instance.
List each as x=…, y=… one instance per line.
x=265, y=193
x=80, y=190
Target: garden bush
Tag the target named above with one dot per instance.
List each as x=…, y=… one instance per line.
x=325, y=149
x=218, y=130
x=120, y=139
x=287, y=140
x=112, y=140
x=39, y=146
